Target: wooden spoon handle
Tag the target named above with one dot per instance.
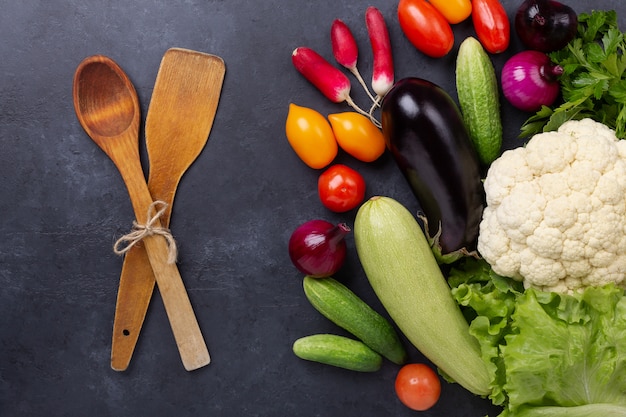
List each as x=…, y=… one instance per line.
x=133, y=298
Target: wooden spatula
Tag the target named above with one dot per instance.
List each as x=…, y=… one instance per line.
x=180, y=116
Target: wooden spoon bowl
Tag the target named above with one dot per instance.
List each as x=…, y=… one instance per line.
x=106, y=101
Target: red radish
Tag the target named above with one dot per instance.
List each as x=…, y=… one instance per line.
x=344, y=46
x=346, y=51
x=328, y=79
x=322, y=74
x=382, y=75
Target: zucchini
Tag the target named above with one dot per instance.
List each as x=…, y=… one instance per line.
x=405, y=276
x=344, y=308
x=477, y=90
x=338, y=351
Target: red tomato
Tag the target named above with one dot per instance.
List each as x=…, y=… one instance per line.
x=425, y=27
x=341, y=188
x=491, y=24
x=418, y=386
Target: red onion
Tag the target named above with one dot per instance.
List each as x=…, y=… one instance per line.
x=317, y=248
x=530, y=80
x=545, y=25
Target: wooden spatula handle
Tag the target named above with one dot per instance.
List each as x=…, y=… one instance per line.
x=191, y=345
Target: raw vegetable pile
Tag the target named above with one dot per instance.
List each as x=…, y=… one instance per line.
x=511, y=278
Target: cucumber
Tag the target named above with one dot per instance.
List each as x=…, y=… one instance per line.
x=338, y=351
x=344, y=308
x=477, y=90
x=405, y=276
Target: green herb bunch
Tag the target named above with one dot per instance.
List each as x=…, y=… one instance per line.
x=593, y=83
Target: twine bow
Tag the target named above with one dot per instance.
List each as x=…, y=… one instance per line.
x=140, y=231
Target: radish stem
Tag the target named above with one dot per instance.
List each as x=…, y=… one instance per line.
x=363, y=112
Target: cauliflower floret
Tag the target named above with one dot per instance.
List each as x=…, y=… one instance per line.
x=517, y=172
x=556, y=210
x=553, y=154
x=559, y=213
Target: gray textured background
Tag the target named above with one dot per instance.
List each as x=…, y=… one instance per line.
x=63, y=204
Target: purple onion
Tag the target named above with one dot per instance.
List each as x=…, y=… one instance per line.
x=530, y=80
x=318, y=248
x=545, y=25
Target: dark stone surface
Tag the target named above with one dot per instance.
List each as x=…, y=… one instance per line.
x=63, y=204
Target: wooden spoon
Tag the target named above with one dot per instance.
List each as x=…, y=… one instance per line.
x=107, y=107
x=181, y=113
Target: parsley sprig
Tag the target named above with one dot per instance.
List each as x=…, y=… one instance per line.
x=593, y=83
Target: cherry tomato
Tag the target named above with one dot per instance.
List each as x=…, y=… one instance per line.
x=492, y=25
x=341, y=188
x=418, y=386
x=455, y=11
x=311, y=136
x=425, y=27
x=357, y=135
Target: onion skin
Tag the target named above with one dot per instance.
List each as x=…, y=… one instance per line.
x=318, y=248
x=530, y=80
x=545, y=25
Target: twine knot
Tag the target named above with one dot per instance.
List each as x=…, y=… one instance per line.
x=140, y=231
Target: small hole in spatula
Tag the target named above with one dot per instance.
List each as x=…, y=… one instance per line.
x=126, y=332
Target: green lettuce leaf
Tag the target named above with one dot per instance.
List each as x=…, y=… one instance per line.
x=488, y=301
x=590, y=410
x=549, y=354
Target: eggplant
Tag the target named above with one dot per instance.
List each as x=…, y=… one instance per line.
x=424, y=131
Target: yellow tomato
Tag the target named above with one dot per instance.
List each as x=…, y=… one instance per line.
x=455, y=11
x=357, y=135
x=311, y=136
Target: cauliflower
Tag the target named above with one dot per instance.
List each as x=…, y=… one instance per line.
x=556, y=210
